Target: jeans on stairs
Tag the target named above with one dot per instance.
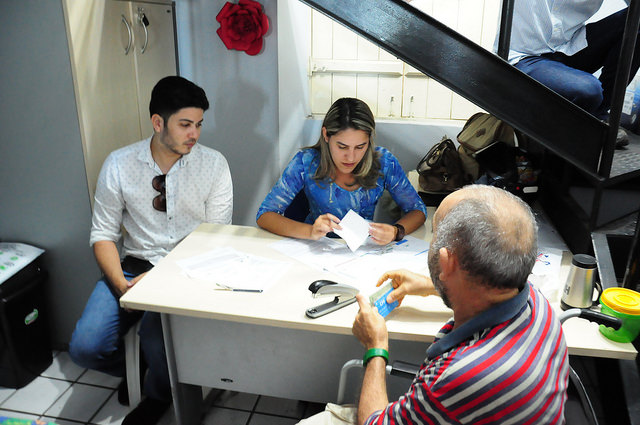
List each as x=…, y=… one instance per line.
x=571, y=76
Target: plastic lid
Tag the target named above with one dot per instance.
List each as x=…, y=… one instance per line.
x=622, y=300
x=584, y=261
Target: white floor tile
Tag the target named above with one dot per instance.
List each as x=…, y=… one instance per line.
x=280, y=406
x=94, y=377
x=5, y=393
x=79, y=403
x=220, y=415
x=63, y=368
x=258, y=419
x=36, y=397
x=236, y=400
x=112, y=413
x=15, y=415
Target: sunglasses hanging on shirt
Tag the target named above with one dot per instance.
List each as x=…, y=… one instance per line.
x=160, y=201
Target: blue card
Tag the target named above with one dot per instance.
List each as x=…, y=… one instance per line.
x=379, y=299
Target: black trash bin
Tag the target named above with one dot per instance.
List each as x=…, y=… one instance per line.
x=25, y=347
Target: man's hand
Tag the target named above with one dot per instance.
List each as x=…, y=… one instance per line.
x=381, y=233
x=407, y=283
x=135, y=280
x=369, y=327
x=122, y=287
x=323, y=225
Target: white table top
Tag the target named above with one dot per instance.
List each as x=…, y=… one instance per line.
x=166, y=289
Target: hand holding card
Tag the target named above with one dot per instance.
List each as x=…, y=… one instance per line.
x=379, y=299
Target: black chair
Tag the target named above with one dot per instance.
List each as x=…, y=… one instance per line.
x=298, y=210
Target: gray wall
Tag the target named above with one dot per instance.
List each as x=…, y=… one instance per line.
x=243, y=91
x=43, y=195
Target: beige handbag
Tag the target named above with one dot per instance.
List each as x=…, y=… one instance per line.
x=480, y=131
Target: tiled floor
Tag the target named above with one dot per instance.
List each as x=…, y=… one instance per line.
x=67, y=394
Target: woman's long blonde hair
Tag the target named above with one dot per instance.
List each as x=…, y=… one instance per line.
x=349, y=113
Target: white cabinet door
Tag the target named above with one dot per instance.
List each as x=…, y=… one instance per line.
x=104, y=77
x=158, y=59
x=113, y=76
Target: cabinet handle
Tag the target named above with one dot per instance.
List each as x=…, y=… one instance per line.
x=126, y=24
x=144, y=22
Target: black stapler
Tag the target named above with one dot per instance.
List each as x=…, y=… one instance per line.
x=344, y=295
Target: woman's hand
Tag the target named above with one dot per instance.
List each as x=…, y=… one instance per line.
x=382, y=234
x=323, y=225
x=407, y=283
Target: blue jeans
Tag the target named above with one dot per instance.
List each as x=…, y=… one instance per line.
x=97, y=341
x=571, y=76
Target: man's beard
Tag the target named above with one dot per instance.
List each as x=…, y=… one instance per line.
x=434, y=271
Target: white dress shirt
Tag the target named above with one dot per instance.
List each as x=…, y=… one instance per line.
x=547, y=26
x=198, y=190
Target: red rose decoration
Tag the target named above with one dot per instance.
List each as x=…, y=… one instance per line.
x=242, y=26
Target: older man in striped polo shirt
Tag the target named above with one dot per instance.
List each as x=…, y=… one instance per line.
x=502, y=359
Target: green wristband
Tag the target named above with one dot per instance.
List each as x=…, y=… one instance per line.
x=375, y=352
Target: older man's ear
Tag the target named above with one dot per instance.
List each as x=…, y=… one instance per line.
x=448, y=263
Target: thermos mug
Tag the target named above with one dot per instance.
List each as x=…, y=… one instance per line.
x=578, y=289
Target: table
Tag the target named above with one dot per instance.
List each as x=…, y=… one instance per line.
x=264, y=344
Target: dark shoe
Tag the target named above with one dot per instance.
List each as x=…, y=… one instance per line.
x=148, y=412
x=622, y=138
x=123, y=393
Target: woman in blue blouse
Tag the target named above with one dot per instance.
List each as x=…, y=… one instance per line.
x=344, y=170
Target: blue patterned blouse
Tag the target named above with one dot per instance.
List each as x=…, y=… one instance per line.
x=327, y=197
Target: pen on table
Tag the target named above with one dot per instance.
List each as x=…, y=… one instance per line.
x=228, y=288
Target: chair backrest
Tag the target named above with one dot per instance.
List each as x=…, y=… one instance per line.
x=298, y=210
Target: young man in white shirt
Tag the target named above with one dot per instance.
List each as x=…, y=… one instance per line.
x=159, y=189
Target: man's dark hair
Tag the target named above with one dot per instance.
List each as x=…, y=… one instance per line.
x=173, y=93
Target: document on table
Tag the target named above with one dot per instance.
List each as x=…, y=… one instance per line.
x=361, y=268
x=233, y=269
x=355, y=230
x=546, y=273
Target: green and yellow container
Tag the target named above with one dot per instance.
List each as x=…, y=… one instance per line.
x=625, y=304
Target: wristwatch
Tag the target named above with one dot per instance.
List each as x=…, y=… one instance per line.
x=400, y=233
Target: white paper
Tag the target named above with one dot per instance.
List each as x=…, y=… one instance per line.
x=355, y=230
x=14, y=257
x=233, y=269
x=361, y=268
x=546, y=272
x=367, y=266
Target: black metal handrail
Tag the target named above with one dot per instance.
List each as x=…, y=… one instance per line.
x=504, y=33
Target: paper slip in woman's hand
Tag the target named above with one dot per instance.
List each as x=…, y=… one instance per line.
x=355, y=230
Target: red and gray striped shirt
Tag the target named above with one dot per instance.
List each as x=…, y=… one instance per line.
x=508, y=365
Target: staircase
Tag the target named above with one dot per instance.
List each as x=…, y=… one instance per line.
x=581, y=148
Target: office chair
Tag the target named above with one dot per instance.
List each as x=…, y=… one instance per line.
x=298, y=210
x=132, y=363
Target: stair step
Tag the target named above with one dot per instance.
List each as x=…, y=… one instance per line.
x=626, y=161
